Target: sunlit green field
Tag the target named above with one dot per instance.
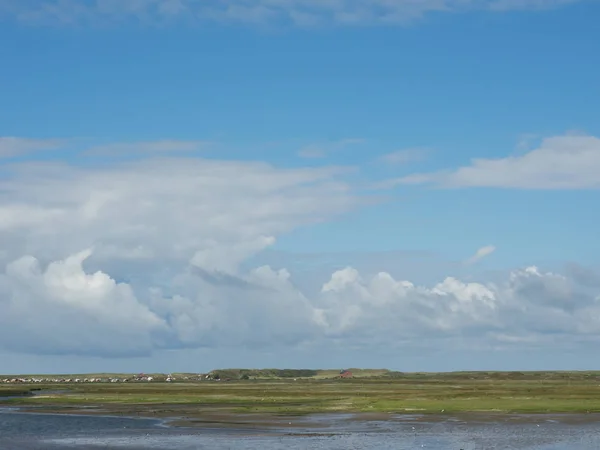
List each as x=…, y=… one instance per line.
x=400, y=393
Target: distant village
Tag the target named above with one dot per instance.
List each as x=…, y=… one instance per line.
x=125, y=379
x=139, y=378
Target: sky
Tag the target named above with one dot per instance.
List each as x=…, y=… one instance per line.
x=188, y=185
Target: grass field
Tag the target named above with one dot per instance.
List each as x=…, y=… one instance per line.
x=500, y=392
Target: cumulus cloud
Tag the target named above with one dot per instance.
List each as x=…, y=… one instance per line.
x=64, y=309
x=481, y=253
x=562, y=162
x=584, y=275
x=147, y=220
x=297, y=12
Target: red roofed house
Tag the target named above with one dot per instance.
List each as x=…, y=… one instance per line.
x=345, y=374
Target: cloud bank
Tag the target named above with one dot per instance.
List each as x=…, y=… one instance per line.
x=61, y=308
x=297, y=12
x=151, y=254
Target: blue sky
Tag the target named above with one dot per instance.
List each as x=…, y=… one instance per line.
x=505, y=82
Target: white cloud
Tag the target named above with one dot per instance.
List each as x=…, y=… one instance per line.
x=170, y=208
x=404, y=156
x=321, y=150
x=62, y=309
x=562, y=162
x=298, y=12
x=149, y=220
x=481, y=253
x=135, y=257
x=15, y=146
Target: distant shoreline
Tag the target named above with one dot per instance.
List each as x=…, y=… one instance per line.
x=234, y=374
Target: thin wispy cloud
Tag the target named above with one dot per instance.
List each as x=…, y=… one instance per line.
x=571, y=161
x=147, y=147
x=511, y=5
x=11, y=146
x=405, y=156
x=526, y=142
x=323, y=149
x=296, y=12
x=481, y=253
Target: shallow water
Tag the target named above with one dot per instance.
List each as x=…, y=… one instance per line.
x=24, y=431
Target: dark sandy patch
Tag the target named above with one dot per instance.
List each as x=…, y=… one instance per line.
x=184, y=416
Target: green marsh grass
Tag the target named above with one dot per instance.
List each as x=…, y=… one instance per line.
x=502, y=392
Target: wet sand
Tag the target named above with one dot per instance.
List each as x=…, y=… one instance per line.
x=214, y=417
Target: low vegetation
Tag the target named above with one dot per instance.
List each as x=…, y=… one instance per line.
x=11, y=391
x=304, y=391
